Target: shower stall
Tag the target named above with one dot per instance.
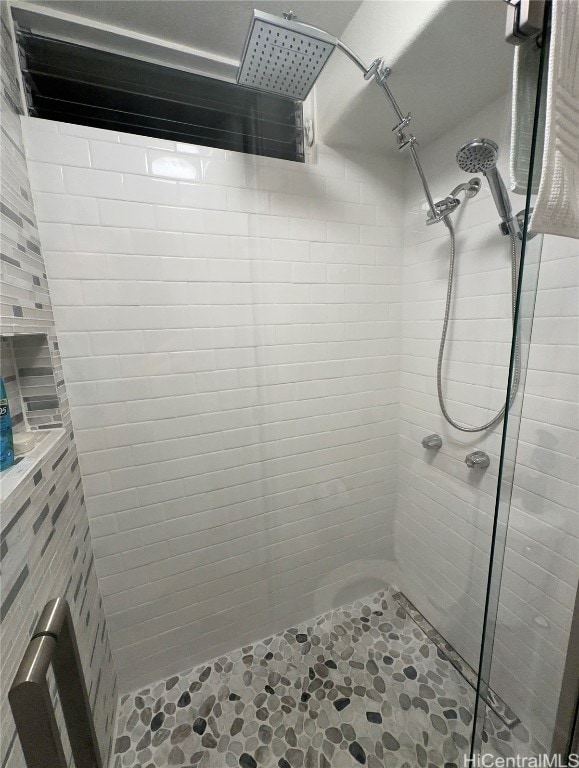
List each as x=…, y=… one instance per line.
x=327, y=468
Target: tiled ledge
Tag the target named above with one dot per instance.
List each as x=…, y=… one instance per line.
x=11, y=479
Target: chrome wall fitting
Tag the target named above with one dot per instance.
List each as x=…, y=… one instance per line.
x=524, y=20
x=442, y=208
x=470, y=188
x=405, y=143
x=432, y=442
x=477, y=460
x=449, y=204
x=378, y=70
x=520, y=217
x=402, y=124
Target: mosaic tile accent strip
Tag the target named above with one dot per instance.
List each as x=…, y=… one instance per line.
x=502, y=710
x=360, y=685
x=25, y=300
x=45, y=546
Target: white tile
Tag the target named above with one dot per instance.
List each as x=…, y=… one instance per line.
x=116, y=343
x=103, y=239
x=125, y=267
x=248, y=200
x=46, y=177
x=308, y=229
x=348, y=191
x=142, y=189
x=116, y=213
x=57, y=237
x=340, y=232
x=308, y=273
x=108, y=156
x=227, y=270
x=173, y=219
x=71, y=209
x=173, y=165
x=184, y=269
x=149, y=242
x=343, y=273
x=66, y=292
x=268, y=226
x=230, y=172
x=54, y=148
x=202, y=196
x=226, y=223
x=75, y=265
x=87, y=183
x=204, y=246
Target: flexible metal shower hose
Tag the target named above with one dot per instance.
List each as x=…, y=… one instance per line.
x=517, y=373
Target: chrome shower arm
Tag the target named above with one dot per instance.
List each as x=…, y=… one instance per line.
x=403, y=142
x=380, y=72
x=352, y=56
x=260, y=60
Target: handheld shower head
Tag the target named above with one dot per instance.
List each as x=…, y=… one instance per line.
x=480, y=156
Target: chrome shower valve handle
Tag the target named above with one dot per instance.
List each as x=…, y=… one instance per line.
x=432, y=442
x=477, y=460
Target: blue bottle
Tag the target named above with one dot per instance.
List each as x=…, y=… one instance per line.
x=6, y=442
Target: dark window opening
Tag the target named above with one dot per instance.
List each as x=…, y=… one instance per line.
x=76, y=84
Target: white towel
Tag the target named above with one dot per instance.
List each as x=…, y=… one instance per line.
x=525, y=78
x=556, y=210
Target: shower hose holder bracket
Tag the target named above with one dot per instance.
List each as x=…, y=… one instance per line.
x=378, y=70
x=404, y=123
x=516, y=226
x=442, y=208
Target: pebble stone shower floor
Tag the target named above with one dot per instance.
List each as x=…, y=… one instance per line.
x=360, y=685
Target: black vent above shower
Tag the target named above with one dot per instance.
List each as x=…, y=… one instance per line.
x=73, y=83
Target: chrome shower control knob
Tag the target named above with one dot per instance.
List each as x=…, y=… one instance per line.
x=432, y=441
x=477, y=460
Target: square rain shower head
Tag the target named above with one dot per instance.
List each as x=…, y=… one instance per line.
x=283, y=57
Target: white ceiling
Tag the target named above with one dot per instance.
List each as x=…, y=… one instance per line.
x=216, y=26
x=449, y=57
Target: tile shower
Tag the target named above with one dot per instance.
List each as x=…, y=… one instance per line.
x=244, y=381
x=248, y=347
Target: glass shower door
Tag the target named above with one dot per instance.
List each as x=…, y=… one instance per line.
x=530, y=636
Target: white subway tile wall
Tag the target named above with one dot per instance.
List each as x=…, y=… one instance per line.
x=240, y=337
x=230, y=332
x=444, y=512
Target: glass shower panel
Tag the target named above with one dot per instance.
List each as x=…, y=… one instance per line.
x=529, y=651
x=444, y=512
